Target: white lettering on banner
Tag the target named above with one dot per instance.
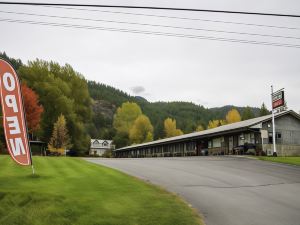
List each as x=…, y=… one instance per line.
x=10, y=101
x=17, y=146
x=10, y=86
x=13, y=123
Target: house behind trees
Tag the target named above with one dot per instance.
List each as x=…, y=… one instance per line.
x=99, y=147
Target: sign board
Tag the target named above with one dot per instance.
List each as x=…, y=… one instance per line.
x=278, y=99
x=264, y=134
x=14, y=123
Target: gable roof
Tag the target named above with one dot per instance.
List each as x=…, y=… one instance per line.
x=100, y=141
x=242, y=125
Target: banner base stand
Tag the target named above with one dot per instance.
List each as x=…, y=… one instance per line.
x=32, y=169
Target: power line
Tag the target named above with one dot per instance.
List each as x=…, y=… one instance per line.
x=151, y=25
x=151, y=8
x=176, y=17
x=75, y=26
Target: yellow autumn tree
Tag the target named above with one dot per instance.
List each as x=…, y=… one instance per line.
x=222, y=122
x=199, y=128
x=170, y=128
x=149, y=137
x=141, y=131
x=60, y=140
x=213, y=124
x=233, y=116
x=125, y=116
x=123, y=122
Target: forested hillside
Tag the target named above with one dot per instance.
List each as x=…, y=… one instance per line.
x=90, y=108
x=187, y=114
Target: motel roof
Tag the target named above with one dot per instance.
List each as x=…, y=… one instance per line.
x=238, y=126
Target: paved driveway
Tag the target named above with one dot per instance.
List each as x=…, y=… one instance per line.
x=226, y=190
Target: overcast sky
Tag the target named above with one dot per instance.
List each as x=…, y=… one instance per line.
x=210, y=73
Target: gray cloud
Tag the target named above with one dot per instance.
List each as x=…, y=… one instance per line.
x=137, y=89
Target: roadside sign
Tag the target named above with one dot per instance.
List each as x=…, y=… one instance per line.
x=278, y=99
x=14, y=123
x=264, y=133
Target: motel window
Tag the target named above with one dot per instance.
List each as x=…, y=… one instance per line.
x=270, y=138
x=209, y=144
x=252, y=138
x=190, y=147
x=278, y=135
x=217, y=142
x=247, y=138
x=194, y=146
x=241, y=140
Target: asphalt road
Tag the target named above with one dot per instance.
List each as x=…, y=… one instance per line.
x=226, y=190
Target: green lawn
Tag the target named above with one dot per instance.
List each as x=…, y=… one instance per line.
x=72, y=191
x=287, y=160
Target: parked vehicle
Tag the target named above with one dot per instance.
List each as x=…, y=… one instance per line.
x=204, y=152
x=246, y=149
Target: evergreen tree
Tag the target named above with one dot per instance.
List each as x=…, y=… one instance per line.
x=247, y=113
x=16, y=63
x=263, y=110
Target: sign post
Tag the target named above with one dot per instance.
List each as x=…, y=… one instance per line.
x=273, y=124
x=277, y=99
x=14, y=122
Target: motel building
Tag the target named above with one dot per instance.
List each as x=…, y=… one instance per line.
x=253, y=137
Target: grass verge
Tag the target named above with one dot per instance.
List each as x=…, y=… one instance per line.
x=286, y=160
x=72, y=191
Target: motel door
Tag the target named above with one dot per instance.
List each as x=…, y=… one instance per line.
x=230, y=149
x=199, y=148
